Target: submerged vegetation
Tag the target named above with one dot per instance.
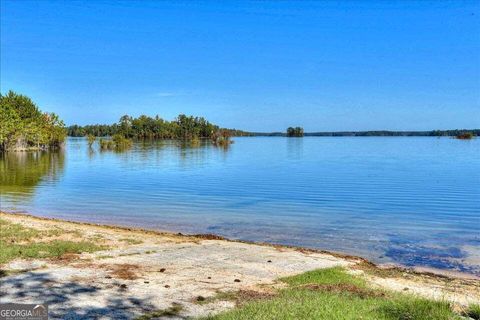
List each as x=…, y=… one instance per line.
x=221, y=138
x=24, y=127
x=465, y=136
x=117, y=142
x=335, y=294
x=186, y=128
x=90, y=139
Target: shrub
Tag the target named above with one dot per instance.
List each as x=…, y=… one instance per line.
x=118, y=142
x=221, y=138
x=465, y=136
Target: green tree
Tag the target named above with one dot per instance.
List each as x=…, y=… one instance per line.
x=10, y=122
x=24, y=126
x=125, y=125
x=295, y=132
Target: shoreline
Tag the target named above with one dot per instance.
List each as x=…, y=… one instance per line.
x=419, y=270
x=123, y=272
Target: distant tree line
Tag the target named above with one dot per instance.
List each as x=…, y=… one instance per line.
x=384, y=133
x=379, y=133
x=145, y=127
x=24, y=127
x=189, y=127
x=97, y=130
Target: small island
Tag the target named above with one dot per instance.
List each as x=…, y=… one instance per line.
x=295, y=132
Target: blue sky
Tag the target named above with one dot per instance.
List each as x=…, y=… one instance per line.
x=260, y=66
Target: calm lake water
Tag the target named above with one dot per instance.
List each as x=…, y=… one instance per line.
x=408, y=200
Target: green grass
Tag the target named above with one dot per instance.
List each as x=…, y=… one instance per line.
x=473, y=311
x=334, y=294
x=329, y=276
x=14, y=232
x=51, y=249
x=17, y=241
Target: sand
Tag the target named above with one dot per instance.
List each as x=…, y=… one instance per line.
x=145, y=271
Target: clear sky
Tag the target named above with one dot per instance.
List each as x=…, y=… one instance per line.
x=260, y=66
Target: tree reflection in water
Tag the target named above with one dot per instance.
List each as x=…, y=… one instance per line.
x=22, y=172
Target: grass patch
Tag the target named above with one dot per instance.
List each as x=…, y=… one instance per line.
x=335, y=294
x=97, y=237
x=473, y=311
x=14, y=232
x=330, y=276
x=51, y=249
x=17, y=241
x=174, y=310
x=404, y=307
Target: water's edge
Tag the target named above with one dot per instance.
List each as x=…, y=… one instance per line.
x=420, y=270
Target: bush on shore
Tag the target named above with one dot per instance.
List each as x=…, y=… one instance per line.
x=25, y=127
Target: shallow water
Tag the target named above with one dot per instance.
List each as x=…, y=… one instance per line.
x=408, y=200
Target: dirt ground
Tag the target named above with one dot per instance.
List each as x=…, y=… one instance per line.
x=144, y=271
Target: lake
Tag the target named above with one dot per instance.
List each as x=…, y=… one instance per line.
x=413, y=201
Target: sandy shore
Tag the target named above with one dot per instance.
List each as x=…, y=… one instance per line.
x=145, y=270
